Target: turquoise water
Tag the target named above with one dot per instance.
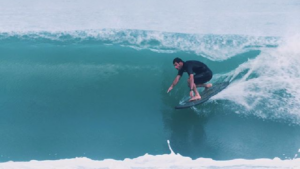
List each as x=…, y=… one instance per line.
x=104, y=98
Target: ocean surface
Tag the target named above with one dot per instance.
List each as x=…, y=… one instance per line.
x=83, y=84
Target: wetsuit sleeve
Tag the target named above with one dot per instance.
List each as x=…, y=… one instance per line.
x=189, y=70
x=180, y=72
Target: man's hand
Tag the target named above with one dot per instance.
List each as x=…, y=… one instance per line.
x=170, y=88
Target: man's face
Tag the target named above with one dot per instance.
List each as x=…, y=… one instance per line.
x=178, y=66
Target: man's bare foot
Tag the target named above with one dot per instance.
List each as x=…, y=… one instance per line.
x=195, y=98
x=208, y=86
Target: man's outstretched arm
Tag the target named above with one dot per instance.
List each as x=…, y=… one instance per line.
x=174, y=83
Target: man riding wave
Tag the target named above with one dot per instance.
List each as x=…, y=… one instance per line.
x=198, y=73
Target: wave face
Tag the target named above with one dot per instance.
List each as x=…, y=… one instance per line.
x=102, y=94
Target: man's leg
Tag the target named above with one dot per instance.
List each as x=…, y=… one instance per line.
x=197, y=95
x=202, y=79
x=208, y=85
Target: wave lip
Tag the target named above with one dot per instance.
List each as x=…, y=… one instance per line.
x=213, y=46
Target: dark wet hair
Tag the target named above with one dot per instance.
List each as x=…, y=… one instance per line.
x=177, y=60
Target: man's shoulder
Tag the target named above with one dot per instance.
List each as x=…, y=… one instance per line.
x=188, y=62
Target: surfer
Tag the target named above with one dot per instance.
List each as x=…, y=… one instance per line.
x=198, y=73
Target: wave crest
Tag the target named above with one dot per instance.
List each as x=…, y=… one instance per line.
x=214, y=47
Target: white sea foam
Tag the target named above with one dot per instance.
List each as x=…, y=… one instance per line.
x=174, y=161
x=270, y=81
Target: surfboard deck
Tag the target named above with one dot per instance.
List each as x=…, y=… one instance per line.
x=205, y=95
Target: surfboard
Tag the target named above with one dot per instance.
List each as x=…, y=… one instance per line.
x=205, y=95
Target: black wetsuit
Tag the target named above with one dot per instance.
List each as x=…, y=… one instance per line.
x=202, y=73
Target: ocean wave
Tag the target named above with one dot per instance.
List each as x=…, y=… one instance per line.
x=214, y=47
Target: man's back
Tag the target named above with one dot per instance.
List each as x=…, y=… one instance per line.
x=193, y=66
